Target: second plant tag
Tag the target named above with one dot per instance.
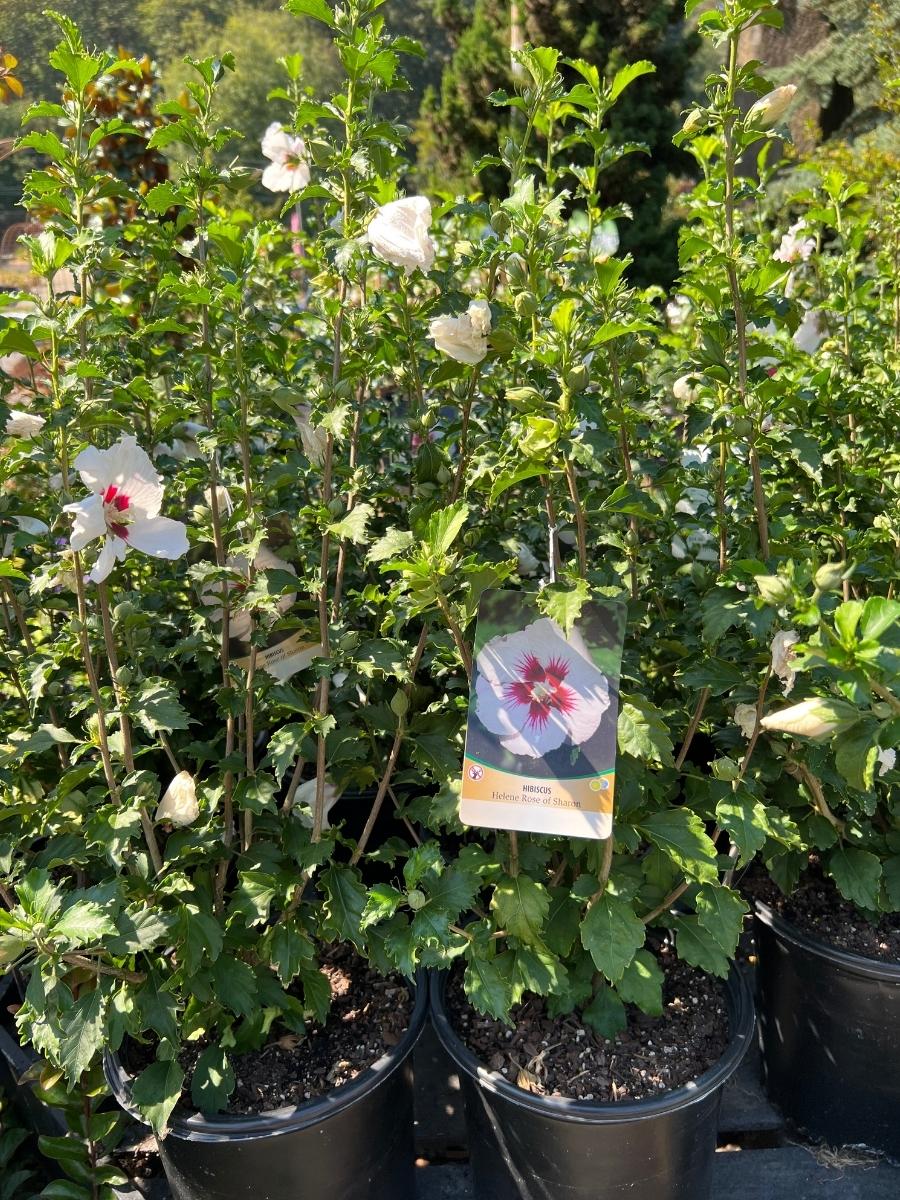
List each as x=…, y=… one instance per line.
x=541, y=741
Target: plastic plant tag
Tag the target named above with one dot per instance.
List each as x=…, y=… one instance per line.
x=541, y=740
x=283, y=658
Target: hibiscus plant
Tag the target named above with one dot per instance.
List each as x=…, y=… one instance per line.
x=258, y=479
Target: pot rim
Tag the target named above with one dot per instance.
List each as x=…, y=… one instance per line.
x=742, y=1020
x=856, y=964
x=291, y=1118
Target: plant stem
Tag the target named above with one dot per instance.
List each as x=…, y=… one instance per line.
x=385, y=781
x=88, y=964
x=456, y=633
x=580, y=523
x=124, y=722
x=692, y=727
x=513, y=853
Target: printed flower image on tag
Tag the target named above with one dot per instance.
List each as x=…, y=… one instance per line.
x=541, y=740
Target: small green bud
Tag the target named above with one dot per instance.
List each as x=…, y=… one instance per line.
x=428, y=419
x=336, y=507
x=123, y=610
x=416, y=899
x=829, y=577
x=694, y=121
x=577, y=378
x=500, y=222
x=516, y=270
x=774, y=589
x=124, y=676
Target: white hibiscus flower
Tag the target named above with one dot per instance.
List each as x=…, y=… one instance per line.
x=537, y=689
x=288, y=170
x=745, y=719
x=794, y=246
x=399, y=233
x=887, y=760
x=305, y=801
x=123, y=508
x=463, y=338
x=179, y=803
x=24, y=424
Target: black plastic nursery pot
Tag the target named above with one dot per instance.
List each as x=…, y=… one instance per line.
x=356, y=1143
x=528, y=1147
x=829, y=1028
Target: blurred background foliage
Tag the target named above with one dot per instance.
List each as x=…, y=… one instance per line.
x=842, y=53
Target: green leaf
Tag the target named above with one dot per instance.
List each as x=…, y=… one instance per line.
x=344, y=904
x=392, y=544
x=156, y=708
x=66, y=1189
x=201, y=938
x=563, y=921
x=891, y=874
x=353, y=526
x=316, y=992
x=721, y=912
x=535, y=969
x=563, y=604
x=157, y=1008
x=611, y=933
x=235, y=985
x=520, y=906
x=857, y=874
x=605, y=1013
x=213, y=1080
x=681, y=834
x=643, y=731
x=713, y=673
x=445, y=526
x=317, y=9
x=488, y=991
x=82, y=923
x=698, y=947
x=641, y=984
x=289, y=949
x=856, y=755
x=627, y=75
x=83, y=1030
x=156, y=1091
x=746, y=823
x=878, y=615
x=381, y=903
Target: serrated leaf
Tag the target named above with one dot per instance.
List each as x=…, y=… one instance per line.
x=82, y=923
x=563, y=604
x=605, y=1013
x=354, y=525
x=612, y=933
x=746, y=823
x=642, y=731
x=487, y=989
x=641, y=984
x=721, y=912
x=316, y=993
x=83, y=1030
x=344, y=904
x=445, y=526
x=382, y=902
x=213, y=1080
x=520, y=906
x=857, y=874
x=698, y=947
x=156, y=1091
x=235, y=985
x=563, y=921
x=681, y=834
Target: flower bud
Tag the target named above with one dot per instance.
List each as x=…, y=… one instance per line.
x=516, y=270
x=577, y=378
x=812, y=718
x=769, y=109
x=500, y=222
x=416, y=899
x=694, y=121
x=179, y=803
x=828, y=578
x=525, y=304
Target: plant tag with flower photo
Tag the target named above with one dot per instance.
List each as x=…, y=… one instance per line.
x=541, y=740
